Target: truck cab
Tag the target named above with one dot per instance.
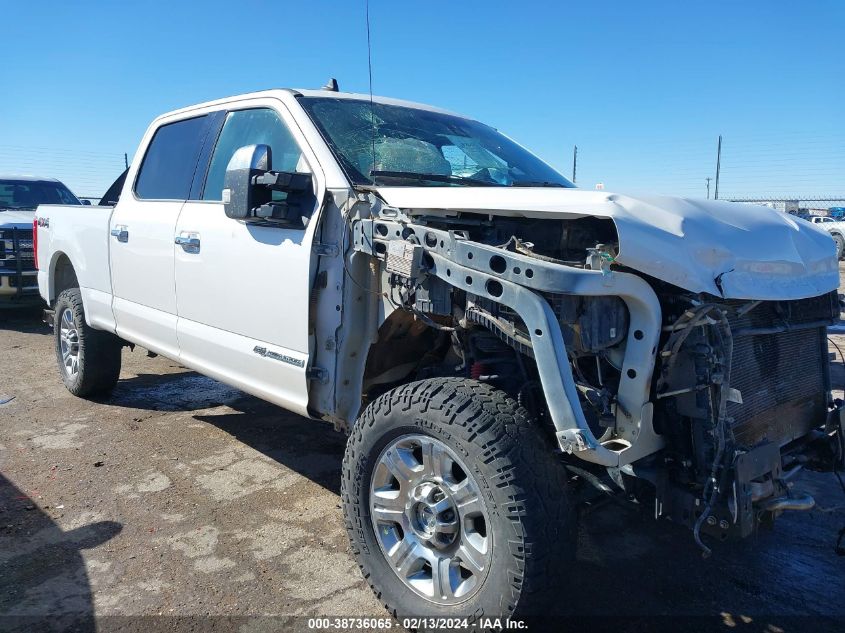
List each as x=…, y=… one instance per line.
x=499, y=345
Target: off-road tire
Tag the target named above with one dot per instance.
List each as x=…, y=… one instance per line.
x=524, y=485
x=840, y=246
x=98, y=351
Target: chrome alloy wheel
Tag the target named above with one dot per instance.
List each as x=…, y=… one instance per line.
x=430, y=519
x=69, y=343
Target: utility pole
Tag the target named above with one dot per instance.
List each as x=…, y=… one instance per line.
x=126, y=160
x=574, y=163
x=718, y=166
x=708, y=187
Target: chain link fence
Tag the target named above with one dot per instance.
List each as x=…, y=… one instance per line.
x=86, y=173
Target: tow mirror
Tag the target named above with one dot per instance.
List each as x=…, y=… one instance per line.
x=250, y=190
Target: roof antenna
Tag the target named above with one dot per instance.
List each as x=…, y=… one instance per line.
x=372, y=110
x=331, y=85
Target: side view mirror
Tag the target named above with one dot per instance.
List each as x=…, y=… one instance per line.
x=249, y=185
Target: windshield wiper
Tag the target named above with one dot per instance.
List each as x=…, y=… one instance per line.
x=537, y=183
x=412, y=175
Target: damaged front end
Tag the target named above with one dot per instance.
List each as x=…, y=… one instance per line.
x=743, y=395
x=678, y=397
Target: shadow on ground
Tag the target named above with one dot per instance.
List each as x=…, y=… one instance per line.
x=43, y=581
x=26, y=320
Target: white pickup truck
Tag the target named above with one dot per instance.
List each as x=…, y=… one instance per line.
x=836, y=228
x=19, y=197
x=499, y=345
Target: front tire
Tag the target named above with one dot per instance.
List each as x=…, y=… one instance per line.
x=840, y=246
x=455, y=504
x=89, y=359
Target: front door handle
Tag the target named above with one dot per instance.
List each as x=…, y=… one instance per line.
x=121, y=232
x=189, y=243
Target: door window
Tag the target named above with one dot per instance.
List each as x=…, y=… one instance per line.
x=171, y=159
x=260, y=126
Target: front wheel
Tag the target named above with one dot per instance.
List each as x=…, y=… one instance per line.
x=89, y=359
x=456, y=506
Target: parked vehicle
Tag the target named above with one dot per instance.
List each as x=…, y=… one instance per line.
x=836, y=228
x=19, y=196
x=500, y=345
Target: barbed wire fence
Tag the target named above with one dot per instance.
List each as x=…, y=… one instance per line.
x=86, y=173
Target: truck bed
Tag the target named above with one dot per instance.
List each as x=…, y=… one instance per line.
x=80, y=233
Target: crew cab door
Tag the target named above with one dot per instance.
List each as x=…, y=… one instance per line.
x=141, y=248
x=243, y=289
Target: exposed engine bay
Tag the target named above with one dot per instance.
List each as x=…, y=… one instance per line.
x=698, y=407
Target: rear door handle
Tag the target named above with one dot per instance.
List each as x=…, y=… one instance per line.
x=121, y=232
x=190, y=243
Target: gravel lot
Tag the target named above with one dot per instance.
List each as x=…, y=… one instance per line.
x=181, y=497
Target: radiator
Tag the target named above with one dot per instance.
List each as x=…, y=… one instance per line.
x=782, y=376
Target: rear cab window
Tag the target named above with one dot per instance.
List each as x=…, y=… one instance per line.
x=170, y=162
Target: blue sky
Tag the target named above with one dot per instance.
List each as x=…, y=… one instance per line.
x=643, y=88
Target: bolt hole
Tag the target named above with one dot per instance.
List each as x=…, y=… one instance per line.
x=494, y=288
x=632, y=373
x=498, y=264
x=381, y=229
x=538, y=332
x=469, y=255
x=381, y=248
x=448, y=272
x=430, y=240
x=441, y=244
x=469, y=280
x=516, y=270
x=638, y=334
x=529, y=273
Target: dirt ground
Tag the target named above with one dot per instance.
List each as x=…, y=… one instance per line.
x=181, y=497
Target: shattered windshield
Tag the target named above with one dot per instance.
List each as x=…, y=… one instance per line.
x=28, y=194
x=404, y=146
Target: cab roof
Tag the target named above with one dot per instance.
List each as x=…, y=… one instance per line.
x=27, y=178
x=287, y=93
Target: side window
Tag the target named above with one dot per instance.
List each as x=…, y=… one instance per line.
x=260, y=126
x=171, y=159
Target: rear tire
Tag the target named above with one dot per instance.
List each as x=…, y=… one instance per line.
x=89, y=359
x=840, y=246
x=519, y=516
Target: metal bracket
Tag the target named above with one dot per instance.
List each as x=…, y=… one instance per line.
x=325, y=250
x=317, y=374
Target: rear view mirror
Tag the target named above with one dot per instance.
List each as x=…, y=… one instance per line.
x=249, y=186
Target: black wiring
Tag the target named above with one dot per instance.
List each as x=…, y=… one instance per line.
x=841, y=356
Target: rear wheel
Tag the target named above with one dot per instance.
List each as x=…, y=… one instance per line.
x=840, y=246
x=455, y=504
x=89, y=359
